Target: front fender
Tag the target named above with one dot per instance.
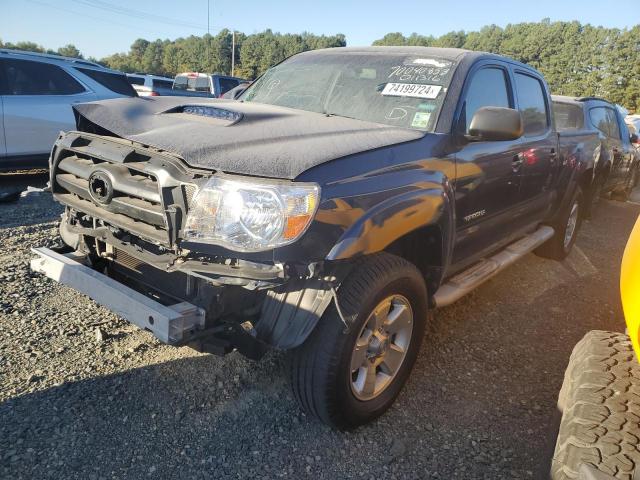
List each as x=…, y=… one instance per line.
x=394, y=218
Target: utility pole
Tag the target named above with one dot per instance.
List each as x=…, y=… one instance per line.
x=233, y=51
x=208, y=34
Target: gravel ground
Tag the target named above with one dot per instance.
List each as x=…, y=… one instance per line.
x=85, y=395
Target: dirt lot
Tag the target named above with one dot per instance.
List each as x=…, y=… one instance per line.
x=85, y=395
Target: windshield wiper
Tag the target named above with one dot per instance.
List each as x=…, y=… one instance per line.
x=338, y=115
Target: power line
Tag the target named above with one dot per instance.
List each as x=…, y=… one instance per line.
x=139, y=14
x=82, y=14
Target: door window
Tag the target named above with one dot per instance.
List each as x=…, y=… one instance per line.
x=227, y=84
x=488, y=88
x=135, y=80
x=568, y=117
x=162, y=83
x=614, y=128
x=599, y=119
x=531, y=100
x=24, y=77
x=116, y=82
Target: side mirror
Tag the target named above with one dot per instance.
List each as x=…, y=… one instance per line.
x=634, y=138
x=495, y=124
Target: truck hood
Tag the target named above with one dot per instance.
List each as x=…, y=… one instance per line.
x=238, y=137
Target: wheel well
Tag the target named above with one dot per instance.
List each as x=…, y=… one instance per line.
x=423, y=248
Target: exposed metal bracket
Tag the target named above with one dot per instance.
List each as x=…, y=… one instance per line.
x=173, y=324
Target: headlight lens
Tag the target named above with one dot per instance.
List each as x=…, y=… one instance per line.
x=250, y=216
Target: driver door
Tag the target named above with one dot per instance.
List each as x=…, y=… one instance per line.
x=487, y=180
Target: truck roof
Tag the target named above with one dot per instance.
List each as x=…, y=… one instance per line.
x=456, y=54
x=577, y=100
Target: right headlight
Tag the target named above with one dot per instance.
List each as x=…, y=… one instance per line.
x=250, y=215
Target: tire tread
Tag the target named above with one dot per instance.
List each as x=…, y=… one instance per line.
x=600, y=405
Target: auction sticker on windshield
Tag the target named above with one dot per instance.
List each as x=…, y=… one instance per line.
x=411, y=90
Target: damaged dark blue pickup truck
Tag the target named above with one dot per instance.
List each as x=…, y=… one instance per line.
x=343, y=196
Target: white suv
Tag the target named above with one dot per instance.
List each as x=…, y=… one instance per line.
x=37, y=92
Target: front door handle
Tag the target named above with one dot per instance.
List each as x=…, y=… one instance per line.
x=516, y=162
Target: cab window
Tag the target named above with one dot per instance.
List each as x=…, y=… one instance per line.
x=532, y=105
x=614, y=128
x=599, y=119
x=227, y=84
x=488, y=88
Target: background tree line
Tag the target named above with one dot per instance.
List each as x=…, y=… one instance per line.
x=212, y=53
x=576, y=59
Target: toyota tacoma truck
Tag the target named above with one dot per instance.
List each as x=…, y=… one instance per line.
x=327, y=211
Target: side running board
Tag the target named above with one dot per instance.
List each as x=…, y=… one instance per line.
x=467, y=281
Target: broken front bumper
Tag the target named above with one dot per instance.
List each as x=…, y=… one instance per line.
x=172, y=324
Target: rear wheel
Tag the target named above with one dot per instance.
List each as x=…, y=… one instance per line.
x=566, y=230
x=349, y=376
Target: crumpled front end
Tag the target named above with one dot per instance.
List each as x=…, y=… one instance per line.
x=124, y=222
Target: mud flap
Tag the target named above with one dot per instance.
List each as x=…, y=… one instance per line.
x=289, y=316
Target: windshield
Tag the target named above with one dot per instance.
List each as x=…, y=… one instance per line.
x=392, y=89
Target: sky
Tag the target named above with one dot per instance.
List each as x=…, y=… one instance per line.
x=102, y=27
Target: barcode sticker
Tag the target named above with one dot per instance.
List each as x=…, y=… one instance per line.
x=411, y=90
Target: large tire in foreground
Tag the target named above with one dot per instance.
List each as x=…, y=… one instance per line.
x=600, y=404
x=566, y=230
x=347, y=377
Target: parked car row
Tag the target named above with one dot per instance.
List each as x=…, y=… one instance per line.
x=190, y=84
x=205, y=85
x=38, y=91
x=604, y=140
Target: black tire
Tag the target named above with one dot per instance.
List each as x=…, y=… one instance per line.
x=321, y=374
x=600, y=409
x=556, y=248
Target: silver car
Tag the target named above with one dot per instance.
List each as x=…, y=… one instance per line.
x=37, y=92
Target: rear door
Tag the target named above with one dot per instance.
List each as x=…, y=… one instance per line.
x=619, y=168
x=537, y=163
x=486, y=186
x=37, y=106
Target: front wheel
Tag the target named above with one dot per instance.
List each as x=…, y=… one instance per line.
x=566, y=230
x=347, y=377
